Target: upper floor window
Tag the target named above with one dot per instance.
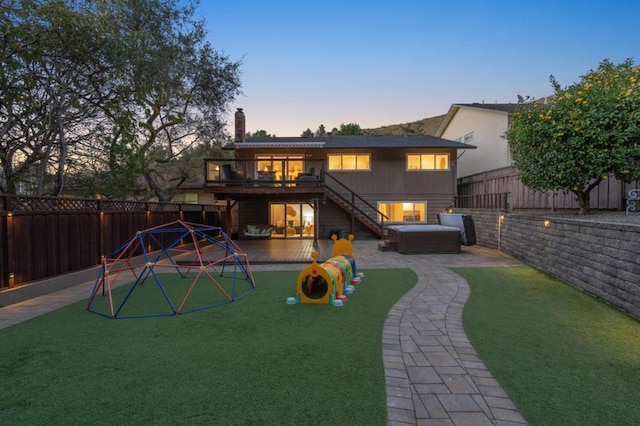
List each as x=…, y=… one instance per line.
x=349, y=162
x=427, y=161
x=279, y=167
x=469, y=137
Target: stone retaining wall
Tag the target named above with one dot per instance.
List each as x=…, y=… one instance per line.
x=598, y=257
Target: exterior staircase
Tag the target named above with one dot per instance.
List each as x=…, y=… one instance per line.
x=356, y=206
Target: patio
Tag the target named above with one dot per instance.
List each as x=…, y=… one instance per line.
x=278, y=251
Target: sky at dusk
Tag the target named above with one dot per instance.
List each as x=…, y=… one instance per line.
x=375, y=63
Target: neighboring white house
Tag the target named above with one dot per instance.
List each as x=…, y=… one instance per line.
x=481, y=125
x=486, y=176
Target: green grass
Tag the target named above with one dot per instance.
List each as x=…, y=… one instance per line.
x=257, y=361
x=564, y=357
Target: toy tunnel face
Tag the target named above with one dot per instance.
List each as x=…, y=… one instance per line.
x=315, y=287
x=326, y=282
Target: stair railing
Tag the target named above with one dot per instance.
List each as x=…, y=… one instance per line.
x=357, y=204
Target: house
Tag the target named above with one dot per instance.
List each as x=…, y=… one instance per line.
x=313, y=187
x=483, y=126
x=486, y=175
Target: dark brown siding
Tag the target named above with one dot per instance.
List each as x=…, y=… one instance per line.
x=253, y=212
x=388, y=180
x=389, y=176
x=334, y=218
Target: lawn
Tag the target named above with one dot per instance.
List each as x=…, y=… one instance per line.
x=256, y=361
x=564, y=357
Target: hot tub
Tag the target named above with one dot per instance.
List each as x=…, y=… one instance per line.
x=425, y=238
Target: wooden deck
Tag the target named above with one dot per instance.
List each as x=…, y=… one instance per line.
x=284, y=251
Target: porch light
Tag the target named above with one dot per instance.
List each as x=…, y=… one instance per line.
x=547, y=223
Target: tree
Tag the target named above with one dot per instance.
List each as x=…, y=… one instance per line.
x=321, y=132
x=117, y=88
x=48, y=74
x=349, y=129
x=307, y=134
x=259, y=134
x=177, y=85
x=590, y=130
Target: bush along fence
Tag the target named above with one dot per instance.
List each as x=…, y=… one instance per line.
x=43, y=237
x=602, y=259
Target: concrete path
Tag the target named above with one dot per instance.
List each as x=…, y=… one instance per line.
x=433, y=374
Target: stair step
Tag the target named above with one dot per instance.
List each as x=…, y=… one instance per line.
x=387, y=245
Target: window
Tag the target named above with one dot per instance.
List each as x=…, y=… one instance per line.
x=291, y=220
x=349, y=162
x=279, y=167
x=469, y=137
x=186, y=198
x=213, y=171
x=427, y=162
x=398, y=211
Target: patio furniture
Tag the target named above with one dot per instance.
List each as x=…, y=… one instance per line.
x=307, y=179
x=230, y=173
x=258, y=232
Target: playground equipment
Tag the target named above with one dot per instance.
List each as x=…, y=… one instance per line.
x=169, y=270
x=331, y=281
x=344, y=247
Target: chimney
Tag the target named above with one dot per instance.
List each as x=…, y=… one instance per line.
x=240, y=125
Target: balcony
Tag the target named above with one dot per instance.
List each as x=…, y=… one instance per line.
x=246, y=178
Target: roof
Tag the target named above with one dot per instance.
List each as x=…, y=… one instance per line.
x=341, y=142
x=509, y=108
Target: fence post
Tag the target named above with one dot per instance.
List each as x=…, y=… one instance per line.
x=101, y=227
x=11, y=260
x=4, y=251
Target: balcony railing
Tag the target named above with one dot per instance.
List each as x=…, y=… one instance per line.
x=264, y=172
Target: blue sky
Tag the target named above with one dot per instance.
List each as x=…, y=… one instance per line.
x=306, y=63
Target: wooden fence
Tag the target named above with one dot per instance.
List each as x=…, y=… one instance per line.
x=502, y=189
x=41, y=237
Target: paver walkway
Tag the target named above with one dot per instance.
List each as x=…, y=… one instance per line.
x=433, y=374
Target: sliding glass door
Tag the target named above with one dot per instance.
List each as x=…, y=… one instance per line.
x=291, y=220
x=281, y=167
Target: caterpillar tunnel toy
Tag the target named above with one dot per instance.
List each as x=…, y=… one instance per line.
x=328, y=282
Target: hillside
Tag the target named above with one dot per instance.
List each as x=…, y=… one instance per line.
x=426, y=126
